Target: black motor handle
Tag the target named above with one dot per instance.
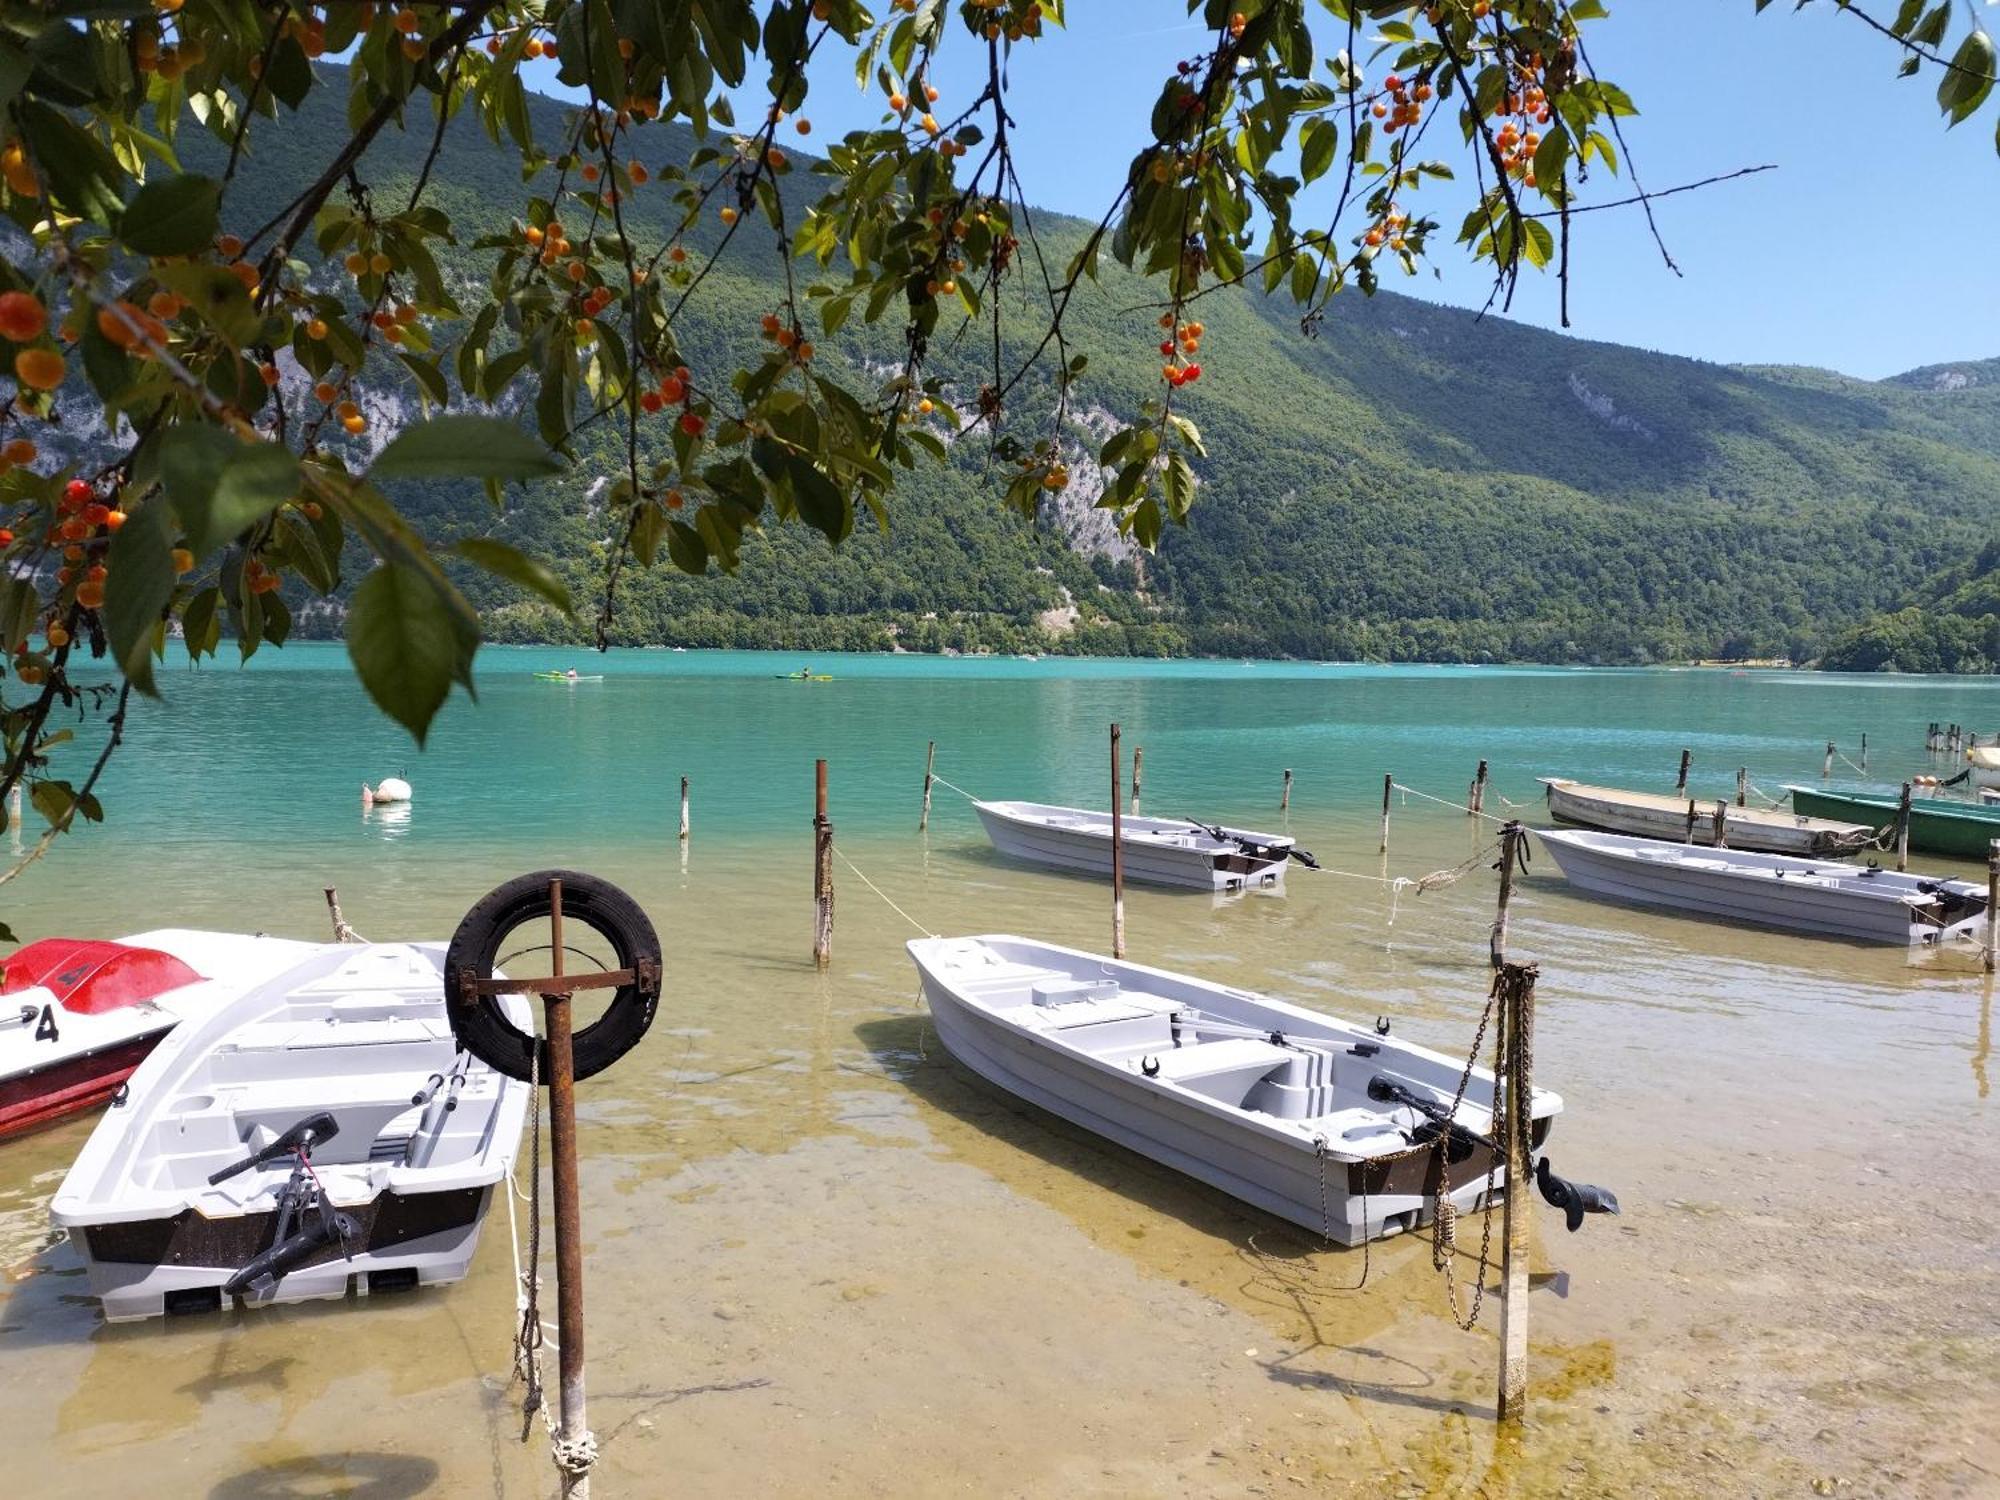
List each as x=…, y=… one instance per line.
x=305, y=1135
x=321, y=1228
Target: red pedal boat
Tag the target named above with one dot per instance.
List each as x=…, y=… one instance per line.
x=77, y=1015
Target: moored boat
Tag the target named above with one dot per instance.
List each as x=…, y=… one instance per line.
x=1300, y=1114
x=77, y=1016
x=321, y=1131
x=1938, y=825
x=1868, y=904
x=1158, y=851
x=1983, y=761
x=1658, y=816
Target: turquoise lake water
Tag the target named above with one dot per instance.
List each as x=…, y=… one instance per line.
x=825, y=1259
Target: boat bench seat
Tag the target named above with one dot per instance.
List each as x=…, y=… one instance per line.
x=1226, y=1070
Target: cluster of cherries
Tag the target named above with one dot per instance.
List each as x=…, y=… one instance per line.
x=1405, y=104
x=1179, y=347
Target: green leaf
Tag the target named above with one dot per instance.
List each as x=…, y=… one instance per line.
x=77, y=171
x=1969, y=79
x=1538, y=243
x=430, y=379
x=201, y=625
x=1550, y=159
x=218, y=486
x=408, y=644
x=464, y=446
x=821, y=503
x=172, y=216
x=20, y=612
x=1317, y=143
x=686, y=549
x=217, y=296
x=58, y=802
x=141, y=571
x=515, y=566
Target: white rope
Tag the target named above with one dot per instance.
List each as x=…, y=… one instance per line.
x=954, y=786
x=1757, y=791
x=1857, y=770
x=884, y=895
x=1410, y=791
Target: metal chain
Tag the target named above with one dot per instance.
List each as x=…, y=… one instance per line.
x=528, y=1337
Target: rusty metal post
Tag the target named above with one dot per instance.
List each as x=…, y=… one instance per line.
x=1517, y=1020
x=1681, y=785
x=1475, y=801
x=684, y=809
x=930, y=760
x=1826, y=766
x=1903, y=829
x=1285, y=797
x=822, y=870
x=1992, y=955
x=1742, y=786
x=1388, y=785
x=1117, y=858
x=1511, y=838
x=573, y=1432
x=1138, y=764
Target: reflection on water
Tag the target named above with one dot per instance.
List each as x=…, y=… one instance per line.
x=391, y=820
x=826, y=1259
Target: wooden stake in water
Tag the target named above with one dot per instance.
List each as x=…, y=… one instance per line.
x=1511, y=839
x=1864, y=750
x=1138, y=764
x=1742, y=786
x=1903, y=829
x=1992, y=955
x=1388, y=785
x=1691, y=815
x=684, y=809
x=1721, y=839
x=342, y=933
x=822, y=870
x=930, y=759
x=1285, y=797
x=1475, y=802
x=1681, y=784
x=1517, y=1021
x=1117, y=857
x=1826, y=766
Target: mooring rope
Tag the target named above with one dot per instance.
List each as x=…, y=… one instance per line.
x=1857, y=770
x=954, y=786
x=842, y=857
x=1410, y=791
x=528, y=1334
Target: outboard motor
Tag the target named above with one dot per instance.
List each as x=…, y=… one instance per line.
x=1575, y=1199
x=300, y=1203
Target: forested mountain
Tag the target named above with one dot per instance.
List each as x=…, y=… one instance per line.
x=1408, y=481
x=1950, y=625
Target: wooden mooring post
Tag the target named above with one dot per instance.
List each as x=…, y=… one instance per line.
x=1681, y=782
x=1512, y=837
x=1516, y=987
x=573, y=1428
x=1138, y=766
x=1388, y=785
x=684, y=809
x=1691, y=820
x=342, y=933
x=1117, y=857
x=1742, y=786
x=822, y=870
x=1931, y=736
x=1826, y=766
x=1991, y=957
x=1864, y=750
x=1285, y=797
x=1903, y=829
x=930, y=760
x=1721, y=834
x=1475, y=799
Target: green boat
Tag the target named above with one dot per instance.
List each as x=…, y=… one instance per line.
x=803, y=676
x=1936, y=825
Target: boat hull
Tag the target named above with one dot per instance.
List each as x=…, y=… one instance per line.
x=1644, y=815
x=1963, y=829
x=1282, y=1174
x=1751, y=891
x=56, y=1090
x=1150, y=859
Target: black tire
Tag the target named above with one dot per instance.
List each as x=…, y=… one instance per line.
x=484, y=1030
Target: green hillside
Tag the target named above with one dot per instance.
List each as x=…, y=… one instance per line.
x=1410, y=482
x=1950, y=625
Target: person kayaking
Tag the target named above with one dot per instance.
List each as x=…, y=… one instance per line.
x=572, y=674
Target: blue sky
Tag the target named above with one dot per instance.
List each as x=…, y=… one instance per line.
x=1870, y=250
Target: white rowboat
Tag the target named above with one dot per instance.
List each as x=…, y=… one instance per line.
x=1771, y=890
x=1158, y=851
x=1266, y=1101
x=190, y=1190
x=1657, y=816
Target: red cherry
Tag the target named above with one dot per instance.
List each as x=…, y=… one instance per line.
x=77, y=494
x=6, y=537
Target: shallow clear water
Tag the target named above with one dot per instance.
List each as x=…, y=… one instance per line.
x=824, y=1258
